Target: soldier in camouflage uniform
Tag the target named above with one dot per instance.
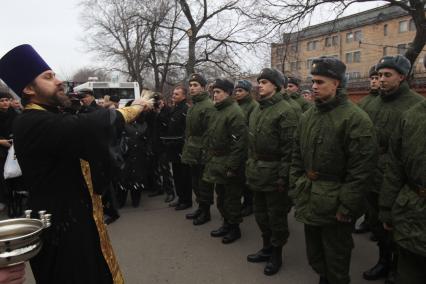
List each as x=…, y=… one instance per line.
x=334, y=157
x=385, y=111
x=374, y=92
x=403, y=195
x=292, y=102
x=247, y=104
x=194, y=150
x=227, y=147
x=271, y=130
x=293, y=89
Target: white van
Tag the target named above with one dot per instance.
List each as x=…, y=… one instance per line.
x=126, y=91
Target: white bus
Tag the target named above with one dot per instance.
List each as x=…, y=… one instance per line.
x=126, y=91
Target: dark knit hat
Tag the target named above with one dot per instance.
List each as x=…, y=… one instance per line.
x=329, y=67
x=294, y=81
x=273, y=76
x=398, y=62
x=4, y=94
x=223, y=84
x=20, y=66
x=198, y=78
x=114, y=98
x=372, y=71
x=243, y=84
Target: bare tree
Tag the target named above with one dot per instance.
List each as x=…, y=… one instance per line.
x=219, y=46
x=118, y=34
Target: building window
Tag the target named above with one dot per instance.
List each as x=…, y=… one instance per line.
x=312, y=45
x=331, y=41
x=385, y=51
x=402, y=48
x=403, y=26
x=294, y=47
x=357, y=56
x=358, y=35
x=294, y=66
x=412, y=25
x=349, y=57
x=353, y=57
x=309, y=64
x=385, y=30
x=335, y=40
x=349, y=37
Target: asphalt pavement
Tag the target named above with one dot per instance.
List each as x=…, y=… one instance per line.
x=156, y=244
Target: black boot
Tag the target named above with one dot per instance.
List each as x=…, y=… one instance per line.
x=275, y=262
x=262, y=255
x=247, y=210
x=323, y=280
x=193, y=215
x=222, y=231
x=381, y=269
x=170, y=197
x=233, y=234
x=204, y=216
x=392, y=276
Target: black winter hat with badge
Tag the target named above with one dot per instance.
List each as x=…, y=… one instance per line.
x=398, y=62
x=198, y=78
x=273, y=76
x=373, y=71
x=223, y=84
x=329, y=67
x=294, y=81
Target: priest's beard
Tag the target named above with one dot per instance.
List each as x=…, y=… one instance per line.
x=54, y=97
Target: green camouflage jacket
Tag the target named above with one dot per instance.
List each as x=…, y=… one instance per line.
x=304, y=104
x=334, y=156
x=385, y=111
x=227, y=144
x=197, y=123
x=403, y=195
x=271, y=131
x=247, y=105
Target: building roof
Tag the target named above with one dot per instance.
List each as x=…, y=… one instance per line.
x=376, y=15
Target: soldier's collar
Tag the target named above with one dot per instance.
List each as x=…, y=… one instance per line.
x=264, y=103
x=200, y=97
x=395, y=94
x=331, y=104
x=223, y=104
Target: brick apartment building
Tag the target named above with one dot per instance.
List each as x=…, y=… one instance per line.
x=359, y=40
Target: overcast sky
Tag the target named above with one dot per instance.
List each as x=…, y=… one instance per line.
x=53, y=28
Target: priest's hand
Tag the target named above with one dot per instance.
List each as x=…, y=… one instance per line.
x=13, y=274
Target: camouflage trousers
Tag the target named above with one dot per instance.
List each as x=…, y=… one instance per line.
x=329, y=251
x=228, y=201
x=411, y=267
x=270, y=211
x=203, y=191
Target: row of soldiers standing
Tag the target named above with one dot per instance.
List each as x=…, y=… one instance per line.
x=326, y=162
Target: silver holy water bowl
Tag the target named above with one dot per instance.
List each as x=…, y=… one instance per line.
x=20, y=238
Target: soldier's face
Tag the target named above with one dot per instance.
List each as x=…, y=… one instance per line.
x=219, y=95
x=47, y=89
x=240, y=93
x=389, y=79
x=195, y=88
x=292, y=88
x=266, y=88
x=178, y=95
x=374, y=82
x=324, y=88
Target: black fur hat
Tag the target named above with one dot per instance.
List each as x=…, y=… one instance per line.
x=198, y=78
x=398, y=62
x=329, y=67
x=273, y=76
x=224, y=84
